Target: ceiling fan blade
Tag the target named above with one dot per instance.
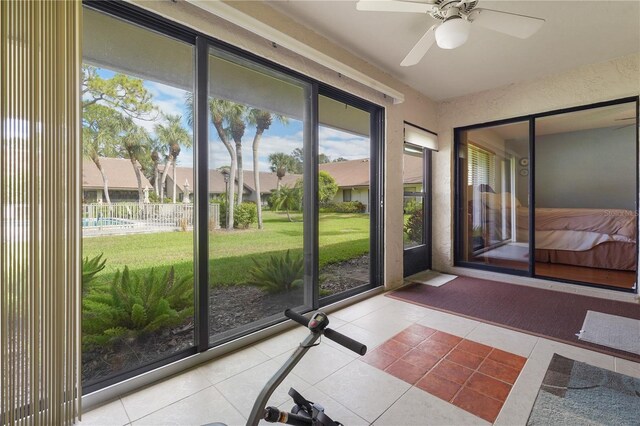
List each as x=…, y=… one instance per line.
x=628, y=118
x=512, y=24
x=420, y=49
x=394, y=6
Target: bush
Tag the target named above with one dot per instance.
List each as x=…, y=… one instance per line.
x=244, y=215
x=155, y=198
x=278, y=273
x=327, y=187
x=412, y=206
x=90, y=267
x=343, y=207
x=413, y=227
x=134, y=306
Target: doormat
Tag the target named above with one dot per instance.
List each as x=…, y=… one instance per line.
x=432, y=278
x=575, y=393
x=612, y=331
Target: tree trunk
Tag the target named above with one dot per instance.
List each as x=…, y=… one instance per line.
x=105, y=182
x=240, y=173
x=136, y=169
x=289, y=216
x=156, y=178
x=278, y=183
x=174, y=180
x=164, y=176
x=256, y=174
x=232, y=174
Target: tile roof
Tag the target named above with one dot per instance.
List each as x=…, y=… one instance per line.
x=119, y=172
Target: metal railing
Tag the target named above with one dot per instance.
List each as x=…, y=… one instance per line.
x=177, y=215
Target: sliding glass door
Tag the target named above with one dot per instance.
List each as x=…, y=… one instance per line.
x=218, y=190
x=493, y=188
x=563, y=207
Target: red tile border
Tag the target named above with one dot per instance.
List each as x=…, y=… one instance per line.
x=468, y=374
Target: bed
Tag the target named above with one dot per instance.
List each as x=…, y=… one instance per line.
x=597, y=238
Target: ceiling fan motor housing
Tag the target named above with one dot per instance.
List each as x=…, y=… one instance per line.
x=450, y=8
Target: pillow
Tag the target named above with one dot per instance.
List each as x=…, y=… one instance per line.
x=500, y=201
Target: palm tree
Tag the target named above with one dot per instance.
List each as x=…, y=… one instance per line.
x=281, y=163
x=135, y=143
x=287, y=198
x=262, y=120
x=158, y=150
x=237, y=126
x=101, y=125
x=173, y=136
x=221, y=111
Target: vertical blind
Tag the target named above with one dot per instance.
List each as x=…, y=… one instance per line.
x=39, y=211
x=481, y=167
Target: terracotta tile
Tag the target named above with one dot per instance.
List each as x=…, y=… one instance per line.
x=512, y=360
x=434, y=348
x=499, y=371
x=405, y=371
x=420, y=330
x=464, y=358
x=474, y=347
x=453, y=372
x=408, y=338
x=395, y=348
x=489, y=386
x=438, y=386
x=379, y=359
x=446, y=338
x=420, y=359
x=478, y=404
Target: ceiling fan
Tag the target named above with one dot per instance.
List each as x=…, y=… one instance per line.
x=457, y=17
x=624, y=119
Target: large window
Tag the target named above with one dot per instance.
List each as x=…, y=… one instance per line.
x=138, y=286
x=213, y=188
x=579, y=222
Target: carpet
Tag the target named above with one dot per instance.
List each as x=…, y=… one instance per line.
x=612, y=331
x=575, y=393
x=551, y=314
x=432, y=278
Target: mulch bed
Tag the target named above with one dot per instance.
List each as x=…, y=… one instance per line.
x=229, y=307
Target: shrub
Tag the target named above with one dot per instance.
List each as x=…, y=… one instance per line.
x=244, y=215
x=343, y=207
x=136, y=305
x=327, y=187
x=413, y=227
x=278, y=273
x=90, y=267
x=155, y=198
x=412, y=206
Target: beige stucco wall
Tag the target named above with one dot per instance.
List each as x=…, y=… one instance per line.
x=614, y=79
x=417, y=108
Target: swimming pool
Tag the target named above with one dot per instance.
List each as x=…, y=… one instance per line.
x=104, y=221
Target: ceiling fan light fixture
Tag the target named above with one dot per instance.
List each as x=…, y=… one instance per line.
x=452, y=33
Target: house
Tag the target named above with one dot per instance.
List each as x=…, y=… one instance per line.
x=121, y=181
x=527, y=246
x=218, y=183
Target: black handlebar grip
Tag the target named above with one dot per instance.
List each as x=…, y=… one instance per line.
x=302, y=320
x=345, y=341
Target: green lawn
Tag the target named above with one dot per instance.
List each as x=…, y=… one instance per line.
x=342, y=236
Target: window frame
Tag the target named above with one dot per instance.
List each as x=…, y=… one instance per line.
x=202, y=43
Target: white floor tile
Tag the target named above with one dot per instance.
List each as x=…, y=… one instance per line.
x=232, y=364
x=508, y=340
x=283, y=342
x=243, y=389
x=448, y=323
x=417, y=407
x=365, y=390
x=319, y=362
x=368, y=338
x=157, y=396
x=403, y=311
x=382, y=323
x=206, y=406
x=361, y=309
x=109, y=414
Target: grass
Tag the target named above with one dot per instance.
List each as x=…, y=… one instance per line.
x=342, y=237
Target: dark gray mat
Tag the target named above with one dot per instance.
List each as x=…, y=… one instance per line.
x=575, y=393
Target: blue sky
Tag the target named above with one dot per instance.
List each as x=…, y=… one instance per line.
x=278, y=138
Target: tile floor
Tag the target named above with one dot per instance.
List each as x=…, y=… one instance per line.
x=351, y=389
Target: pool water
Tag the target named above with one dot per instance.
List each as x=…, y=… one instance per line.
x=88, y=223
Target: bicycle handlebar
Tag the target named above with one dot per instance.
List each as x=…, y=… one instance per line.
x=336, y=336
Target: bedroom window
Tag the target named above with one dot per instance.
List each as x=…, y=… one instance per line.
x=552, y=195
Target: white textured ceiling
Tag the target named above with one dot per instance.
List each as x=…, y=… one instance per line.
x=575, y=33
